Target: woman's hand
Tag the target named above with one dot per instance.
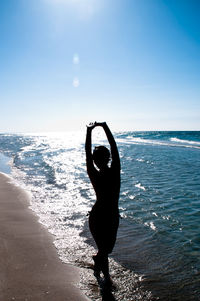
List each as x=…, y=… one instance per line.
x=92, y=125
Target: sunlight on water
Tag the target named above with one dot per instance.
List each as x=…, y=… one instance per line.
x=158, y=239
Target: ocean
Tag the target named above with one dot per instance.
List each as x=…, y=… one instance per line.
x=157, y=253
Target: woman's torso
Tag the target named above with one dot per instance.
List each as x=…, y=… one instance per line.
x=107, y=187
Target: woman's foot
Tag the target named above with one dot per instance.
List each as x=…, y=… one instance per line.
x=108, y=281
x=97, y=266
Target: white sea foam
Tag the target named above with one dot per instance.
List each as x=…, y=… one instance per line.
x=173, y=142
x=155, y=214
x=185, y=141
x=140, y=160
x=140, y=186
x=151, y=225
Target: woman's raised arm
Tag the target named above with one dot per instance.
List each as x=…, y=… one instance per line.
x=88, y=149
x=113, y=145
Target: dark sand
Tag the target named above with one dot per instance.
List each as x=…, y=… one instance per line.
x=30, y=268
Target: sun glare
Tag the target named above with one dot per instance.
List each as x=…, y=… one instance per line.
x=84, y=8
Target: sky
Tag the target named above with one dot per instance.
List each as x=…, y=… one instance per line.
x=132, y=63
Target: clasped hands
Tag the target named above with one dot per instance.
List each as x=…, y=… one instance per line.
x=92, y=125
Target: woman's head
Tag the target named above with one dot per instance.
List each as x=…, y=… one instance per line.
x=101, y=156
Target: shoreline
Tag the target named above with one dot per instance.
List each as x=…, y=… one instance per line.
x=30, y=268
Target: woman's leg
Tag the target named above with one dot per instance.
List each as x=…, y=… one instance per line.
x=101, y=264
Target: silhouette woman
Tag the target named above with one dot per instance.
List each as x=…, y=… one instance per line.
x=104, y=216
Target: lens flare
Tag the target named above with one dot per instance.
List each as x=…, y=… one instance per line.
x=76, y=82
x=76, y=59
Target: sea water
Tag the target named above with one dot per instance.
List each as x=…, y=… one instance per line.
x=157, y=253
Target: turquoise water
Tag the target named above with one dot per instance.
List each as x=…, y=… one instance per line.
x=157, y=254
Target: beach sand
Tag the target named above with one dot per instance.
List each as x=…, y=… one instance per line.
x=30, y=268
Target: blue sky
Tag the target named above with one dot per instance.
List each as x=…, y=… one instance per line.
x=132, y=63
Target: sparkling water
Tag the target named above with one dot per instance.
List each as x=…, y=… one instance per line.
x=157, y=253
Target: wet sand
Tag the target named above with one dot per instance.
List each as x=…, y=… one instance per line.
x=30, y=268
